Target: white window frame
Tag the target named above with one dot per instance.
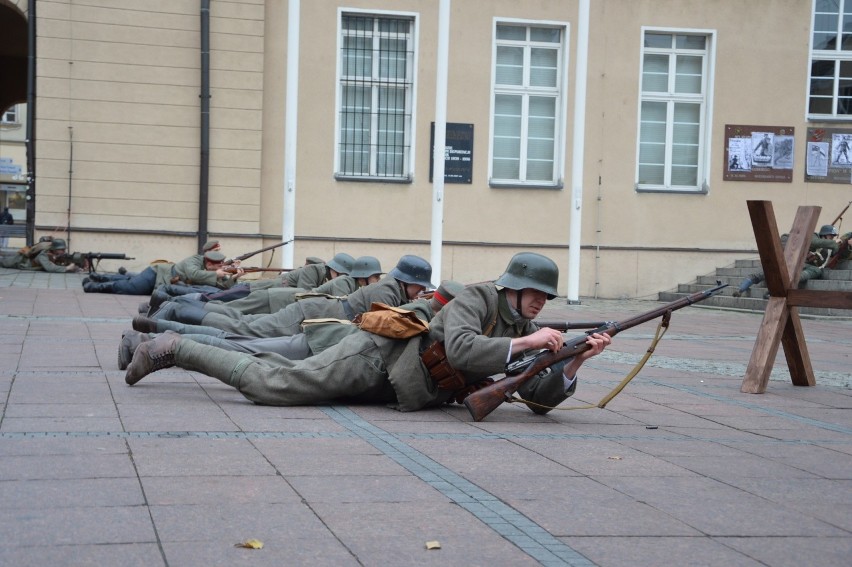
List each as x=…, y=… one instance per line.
x=706, y=99
x=561, y=104
x=411, y=104
x=11, y=115
x=835, y=55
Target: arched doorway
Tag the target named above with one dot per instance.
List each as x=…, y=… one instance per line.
x=13, y=114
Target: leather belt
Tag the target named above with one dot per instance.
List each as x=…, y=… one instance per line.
x=440, y=370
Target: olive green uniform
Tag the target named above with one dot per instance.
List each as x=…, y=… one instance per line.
x=35, y=258
x=477, y=328
x=193, y=271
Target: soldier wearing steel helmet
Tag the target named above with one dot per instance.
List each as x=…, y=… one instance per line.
x=481, y=330
x=823, y=245
x=409, y=278
x=365, y=271
x=45, y=255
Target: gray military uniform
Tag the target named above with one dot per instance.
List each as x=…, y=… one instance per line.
x=303, y=277
x=368, y=368
x=288, y=321
x=266, y=301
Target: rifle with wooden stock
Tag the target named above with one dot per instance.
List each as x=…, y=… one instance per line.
x=568, y=325
x=840, y=216
x=233, y=270
x=485, y=400
x=248, y=255
x=841, y=251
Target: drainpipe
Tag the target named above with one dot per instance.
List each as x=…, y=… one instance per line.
x=204, y=166
x=31, y=113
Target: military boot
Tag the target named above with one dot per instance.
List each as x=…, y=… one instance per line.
x=144, y=324
x=158, y=297
x=130, y=341
x=752, y=279
x=93, y=287
x=151, y=356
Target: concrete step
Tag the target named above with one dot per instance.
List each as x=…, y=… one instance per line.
x=838, y=279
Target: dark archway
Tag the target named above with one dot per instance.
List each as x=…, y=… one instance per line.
x=13, y=55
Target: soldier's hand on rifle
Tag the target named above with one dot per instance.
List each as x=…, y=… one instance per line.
x=235, y=273
x=546, y=338
x=597, y=343
x=72, y=268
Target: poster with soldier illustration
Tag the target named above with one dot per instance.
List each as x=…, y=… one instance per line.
x=759, y=153
x=828, y=158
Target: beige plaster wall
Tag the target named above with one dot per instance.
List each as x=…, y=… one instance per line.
x=125, y=82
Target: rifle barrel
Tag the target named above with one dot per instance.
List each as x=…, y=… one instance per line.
x=482, y=402
x=567, y=325
x=248, y=255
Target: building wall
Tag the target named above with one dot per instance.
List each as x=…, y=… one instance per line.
x=118, y=108
x=125, y=83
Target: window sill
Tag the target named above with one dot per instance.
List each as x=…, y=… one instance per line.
x=516, y=185
x=682, y=191
x=845, y=118
x=369, y=179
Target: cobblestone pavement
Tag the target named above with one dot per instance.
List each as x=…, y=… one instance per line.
x=679, y=469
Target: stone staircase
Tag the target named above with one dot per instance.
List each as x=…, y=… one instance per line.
x=838, y=279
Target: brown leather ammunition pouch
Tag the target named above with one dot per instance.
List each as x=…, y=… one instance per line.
x=442, y=373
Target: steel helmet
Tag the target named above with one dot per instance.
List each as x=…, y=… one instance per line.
x=413, y=270
x=531, y=270
x=341, y=263
x=366, y=266
x=58, y=244
x=828, y=230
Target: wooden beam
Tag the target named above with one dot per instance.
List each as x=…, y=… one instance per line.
x=781, y=325
x=819, y=298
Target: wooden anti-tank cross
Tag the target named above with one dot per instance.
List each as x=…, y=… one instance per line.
x=781, y=323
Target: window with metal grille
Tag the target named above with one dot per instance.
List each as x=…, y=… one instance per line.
x=673, y=112
x=376, y=69
x=830, y=93
x=525, y=133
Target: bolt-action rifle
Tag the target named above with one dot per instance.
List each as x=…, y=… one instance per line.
x=841, y=252
x=233, y=269
x=483, y=401
x=568, y=325
x=248, y=255
x=839, y=217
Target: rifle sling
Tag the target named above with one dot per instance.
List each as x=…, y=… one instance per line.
x=661, y=330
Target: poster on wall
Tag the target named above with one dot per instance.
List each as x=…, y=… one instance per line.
x=828, y=158
x=759, y=153
x=458, y=165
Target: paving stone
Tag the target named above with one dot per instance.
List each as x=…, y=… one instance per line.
x=179, y=468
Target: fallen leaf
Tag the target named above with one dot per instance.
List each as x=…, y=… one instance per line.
x=433, y=545
x=614, y=458
x=250, y=544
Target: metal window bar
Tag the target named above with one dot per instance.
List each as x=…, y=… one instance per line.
x=375, y=114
